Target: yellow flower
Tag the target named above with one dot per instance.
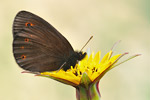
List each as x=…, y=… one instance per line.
x=86, y=74
x=92, y=66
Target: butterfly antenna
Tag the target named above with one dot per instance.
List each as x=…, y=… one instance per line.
x=87, y=42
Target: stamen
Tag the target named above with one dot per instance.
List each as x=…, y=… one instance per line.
x=75, y=73
x=96, y=70
x=80, y=73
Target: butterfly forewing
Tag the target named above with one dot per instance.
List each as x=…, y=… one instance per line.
x=37, y=45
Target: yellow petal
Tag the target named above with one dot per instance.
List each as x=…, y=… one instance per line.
x=106, y=57
x=97, y=57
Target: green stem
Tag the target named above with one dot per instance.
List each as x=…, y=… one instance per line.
x=90, y=93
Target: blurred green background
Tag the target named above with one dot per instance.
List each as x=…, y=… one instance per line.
x=107, y=20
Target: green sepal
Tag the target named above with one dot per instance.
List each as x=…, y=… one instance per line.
x=85, y=81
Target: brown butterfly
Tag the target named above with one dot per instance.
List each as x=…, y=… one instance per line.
x=39, y=47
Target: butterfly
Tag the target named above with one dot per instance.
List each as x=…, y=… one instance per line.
x=39, y=47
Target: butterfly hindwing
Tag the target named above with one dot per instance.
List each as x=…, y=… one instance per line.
x=37, y=45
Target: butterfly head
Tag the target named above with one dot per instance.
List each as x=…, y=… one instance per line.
x=81, y=55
